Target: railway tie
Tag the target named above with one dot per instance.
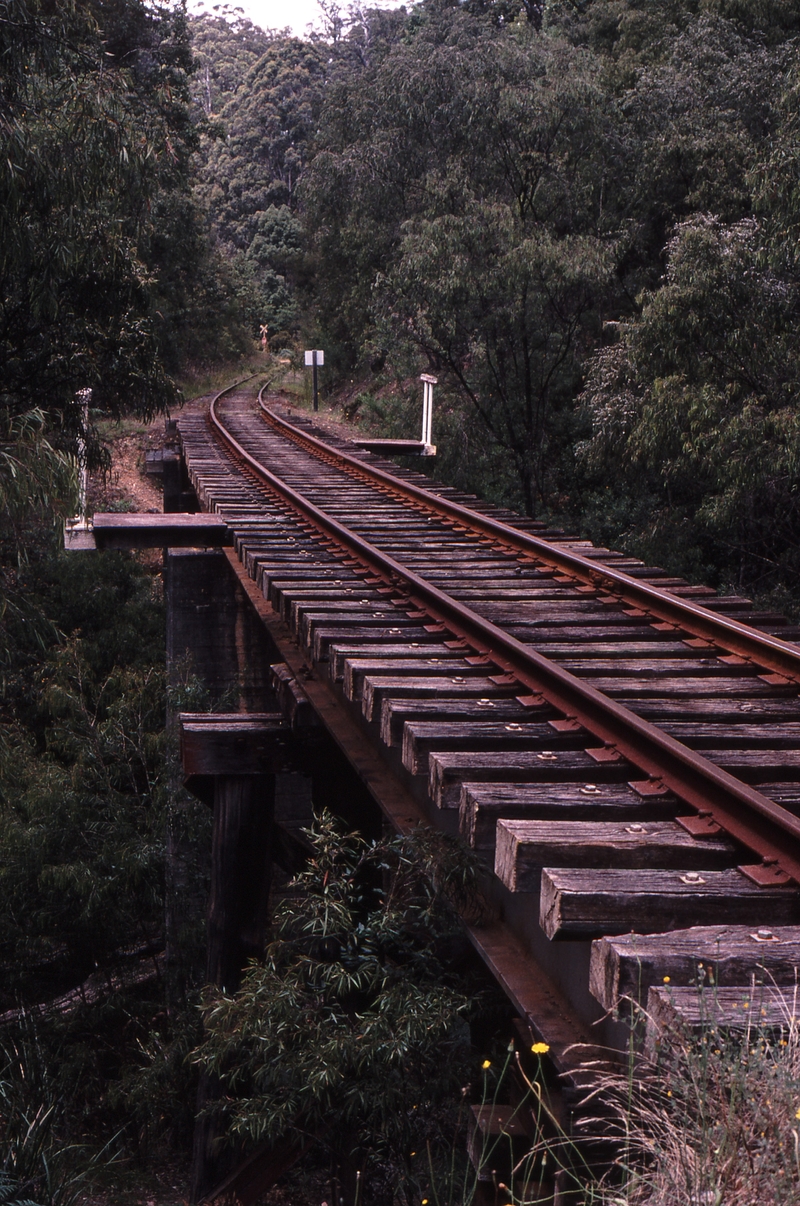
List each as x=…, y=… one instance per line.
x=621, y=748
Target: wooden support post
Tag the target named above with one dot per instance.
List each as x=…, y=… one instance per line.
x=231, y=760
x=238, y=916
x=241, y=866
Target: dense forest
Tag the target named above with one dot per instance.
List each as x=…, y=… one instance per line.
x=582, y=215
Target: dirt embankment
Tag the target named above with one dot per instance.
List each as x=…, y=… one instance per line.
x=124, y=487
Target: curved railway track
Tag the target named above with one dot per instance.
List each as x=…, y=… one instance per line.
x=621, y=747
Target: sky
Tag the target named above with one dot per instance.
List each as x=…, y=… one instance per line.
x=276, y=14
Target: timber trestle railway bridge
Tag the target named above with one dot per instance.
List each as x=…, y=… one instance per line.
x=621, y=748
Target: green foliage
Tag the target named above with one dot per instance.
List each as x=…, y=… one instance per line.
x=10, y=1194
x=699, y=402
x=458, y=194
x=36, y=481
x=268, y=125
x=100, y=246
x=487, y=197
x=225, y=47
x=353, y=1029
x=35, y=1158
x=81, y=158
x=269, y=89
x=81, y=825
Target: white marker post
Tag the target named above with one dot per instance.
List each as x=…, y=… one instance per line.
x=428, y=383
x=77, y=531
x=313, y=360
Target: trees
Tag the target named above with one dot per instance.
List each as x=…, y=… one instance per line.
x=248, y=175
x=225, y=47
x=698, y=403
x=360, y=955
x=460, y=198
x=86, y=144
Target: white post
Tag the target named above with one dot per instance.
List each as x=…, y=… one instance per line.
x=428, y=383
x=84, y=396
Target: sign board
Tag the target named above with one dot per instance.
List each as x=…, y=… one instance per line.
x=315, y=358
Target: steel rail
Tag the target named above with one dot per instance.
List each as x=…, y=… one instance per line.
x=760, y=824
x=757, y=648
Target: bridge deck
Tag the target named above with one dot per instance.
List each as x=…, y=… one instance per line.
x=584, y=835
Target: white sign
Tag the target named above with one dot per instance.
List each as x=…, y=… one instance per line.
x=315, y=358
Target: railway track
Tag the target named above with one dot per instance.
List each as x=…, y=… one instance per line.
x=620, y=747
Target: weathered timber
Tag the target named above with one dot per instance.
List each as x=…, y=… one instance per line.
x=289, y=604
x=305, y=621
x=760, y=1008
x=751, y=766
x=240, y=875
x=396, y=713
x=357, y=636
x=238, y=914
x=234, y=743
x=420, y=737
x=555, y=765
x=396, y=447
x=651, y=667
x=340, y=655
x=292, y=699
x=155, y=458
x=384, y=686
x=625, y=967
x=769, y=711
x=737, y=736
x=446, y=663
x=588, y=904
x=97, y=987
x=147, y=530
x=712, y=686
x=212, y=635
x=481, y=805
x=524, y=847
x=782, y=793
x=214, y=641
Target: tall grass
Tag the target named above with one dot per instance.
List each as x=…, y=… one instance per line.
x=711, y=1116
x=702, y=1115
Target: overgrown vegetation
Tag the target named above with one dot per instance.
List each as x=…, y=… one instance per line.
x=583, y=218
x=710, y=1115
x=353, y=1033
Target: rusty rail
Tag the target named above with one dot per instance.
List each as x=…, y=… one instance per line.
x=759, y=649
x=760, y=824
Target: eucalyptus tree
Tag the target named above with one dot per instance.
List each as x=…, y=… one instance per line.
x=92, y=129
x=698, y=405
x=225, y=47
x=465, y=203
x=248, y=178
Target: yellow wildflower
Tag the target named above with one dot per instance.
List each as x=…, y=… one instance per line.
x=487, y=1063
x=540, y=1048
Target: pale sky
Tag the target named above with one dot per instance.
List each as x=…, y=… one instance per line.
x=276, y=14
